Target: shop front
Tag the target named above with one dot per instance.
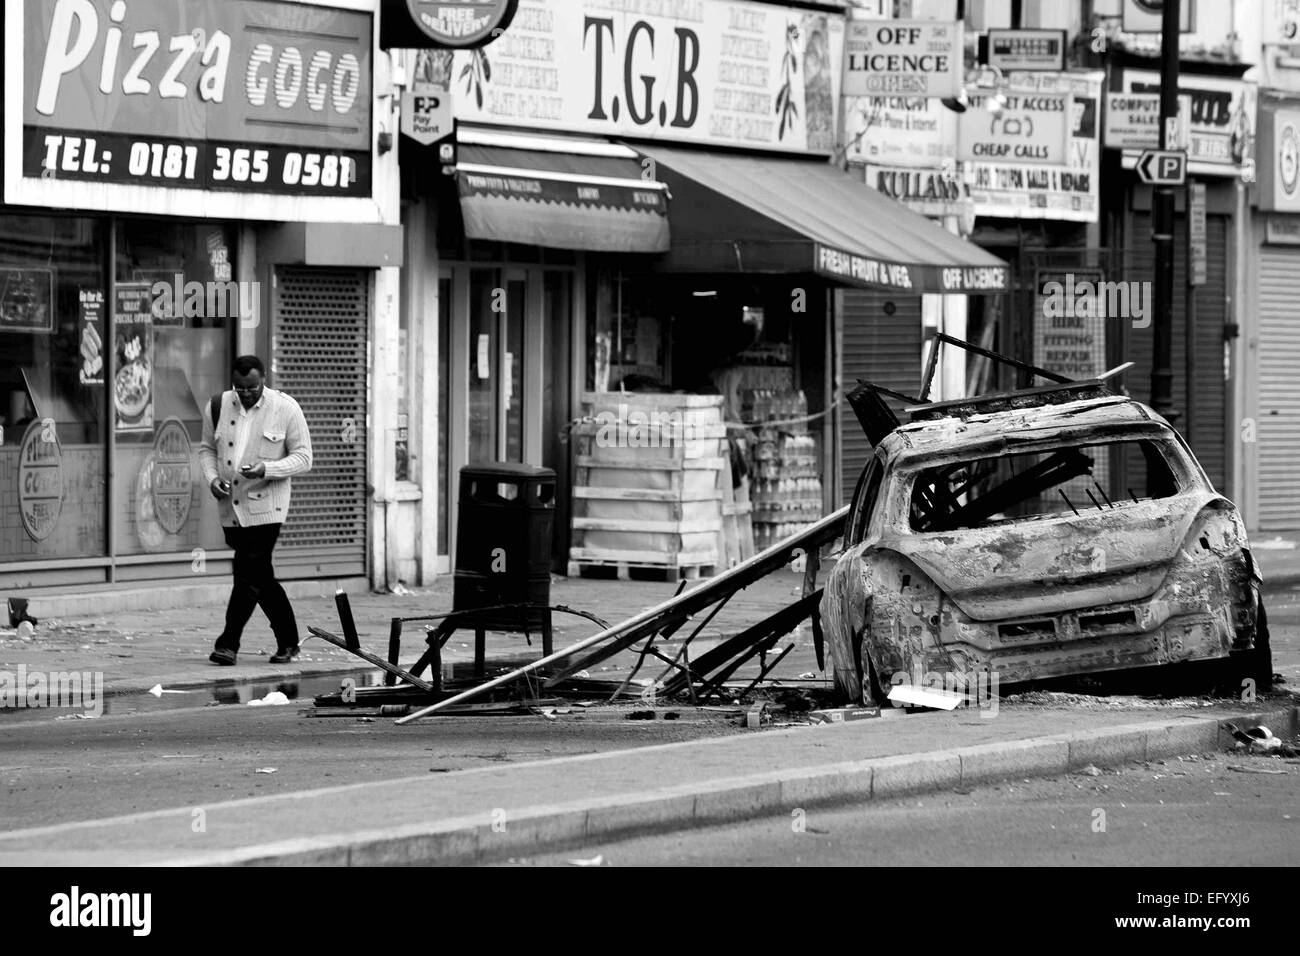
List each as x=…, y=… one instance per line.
x=1209, y=228
x=159, y=219
x=1020, y=180
x=1270, y=431
x=643, y=223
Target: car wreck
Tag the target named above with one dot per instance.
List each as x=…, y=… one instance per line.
x=983, y=542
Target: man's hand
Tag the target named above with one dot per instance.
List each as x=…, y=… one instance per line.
x=253, y=471
x=219, y=489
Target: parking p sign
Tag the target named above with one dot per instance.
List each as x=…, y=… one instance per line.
x=1162, y=167
x=903, y=58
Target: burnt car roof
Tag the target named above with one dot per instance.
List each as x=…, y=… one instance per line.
x=1102, y=418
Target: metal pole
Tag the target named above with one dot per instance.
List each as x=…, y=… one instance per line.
x=1189, y=330
x=1162, y=213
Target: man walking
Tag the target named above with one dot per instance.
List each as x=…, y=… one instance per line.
x=254, y=440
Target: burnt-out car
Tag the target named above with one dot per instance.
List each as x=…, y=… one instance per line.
x=994, y=545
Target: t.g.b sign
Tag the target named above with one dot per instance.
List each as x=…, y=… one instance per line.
x=455, y=24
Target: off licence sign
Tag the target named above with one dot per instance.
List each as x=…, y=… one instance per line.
x=913, y=57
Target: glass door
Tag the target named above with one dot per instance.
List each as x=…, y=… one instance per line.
x=496, y=363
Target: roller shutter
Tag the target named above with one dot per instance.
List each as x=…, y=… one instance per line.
x=321, y=322
x=877, y=347
x=1278, y=434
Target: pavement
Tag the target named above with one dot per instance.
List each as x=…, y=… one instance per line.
x=492, y=813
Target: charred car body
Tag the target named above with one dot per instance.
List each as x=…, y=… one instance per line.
x=982, y=542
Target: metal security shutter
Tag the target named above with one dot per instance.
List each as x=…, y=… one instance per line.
x=321, y=323
x=1208, y=441
x=1278, y=436
x=880, y=348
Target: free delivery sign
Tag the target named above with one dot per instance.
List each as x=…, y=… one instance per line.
x=903, y=57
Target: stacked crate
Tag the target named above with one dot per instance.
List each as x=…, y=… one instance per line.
x=648, y=489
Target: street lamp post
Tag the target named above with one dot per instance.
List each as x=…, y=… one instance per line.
x=1162, y=213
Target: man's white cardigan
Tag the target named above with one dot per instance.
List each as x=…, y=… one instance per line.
x=277, y=435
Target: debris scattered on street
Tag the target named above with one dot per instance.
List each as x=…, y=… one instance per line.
x=1241, y=769
x=272, y=699
x=266, y=770
x=597, y=860
x=1092, y=770
x=843, y=715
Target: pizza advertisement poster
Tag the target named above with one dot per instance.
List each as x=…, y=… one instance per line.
x=92, y=336
x=133, y=357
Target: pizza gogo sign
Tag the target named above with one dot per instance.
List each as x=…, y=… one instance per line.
x=258, y=97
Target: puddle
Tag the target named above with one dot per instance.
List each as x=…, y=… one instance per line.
x=223, y=693
x=298, y=690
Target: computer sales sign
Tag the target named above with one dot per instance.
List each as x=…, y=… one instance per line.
x=903, y=57
x=211, y=107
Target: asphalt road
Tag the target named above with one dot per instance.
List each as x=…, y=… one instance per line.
x=57, y=771
x=1170, y=813
x=128, y=760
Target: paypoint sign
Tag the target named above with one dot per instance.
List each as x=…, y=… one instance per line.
x=911, y=57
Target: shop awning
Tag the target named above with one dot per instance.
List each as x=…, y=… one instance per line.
x=558, y=192
x=747, y=213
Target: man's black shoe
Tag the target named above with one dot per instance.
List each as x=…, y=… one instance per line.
x=284, y=655
x=222, y=656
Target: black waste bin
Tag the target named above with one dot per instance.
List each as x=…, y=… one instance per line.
x=504, y=529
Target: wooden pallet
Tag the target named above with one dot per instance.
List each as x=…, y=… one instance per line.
x=582, y=560
x=658, y=504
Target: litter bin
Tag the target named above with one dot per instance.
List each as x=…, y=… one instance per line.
x=504, y=528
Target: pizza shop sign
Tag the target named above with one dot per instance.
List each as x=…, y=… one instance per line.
x=264, y=97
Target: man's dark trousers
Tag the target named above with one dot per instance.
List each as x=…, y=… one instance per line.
x=255, y=584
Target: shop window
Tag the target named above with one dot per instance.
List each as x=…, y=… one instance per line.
x=407, y=350
x=444, y=409
x=52, y=374
x=177, y=306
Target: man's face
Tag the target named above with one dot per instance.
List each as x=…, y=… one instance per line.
x=248, y=387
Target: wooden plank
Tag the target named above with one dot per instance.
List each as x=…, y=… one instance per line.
x=652, y=399
x=672, y=527
x=653, y=464
x=651, y=559
x=598, y=493
x=654, y=432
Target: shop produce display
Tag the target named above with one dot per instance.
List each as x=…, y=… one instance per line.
x=787, y=487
